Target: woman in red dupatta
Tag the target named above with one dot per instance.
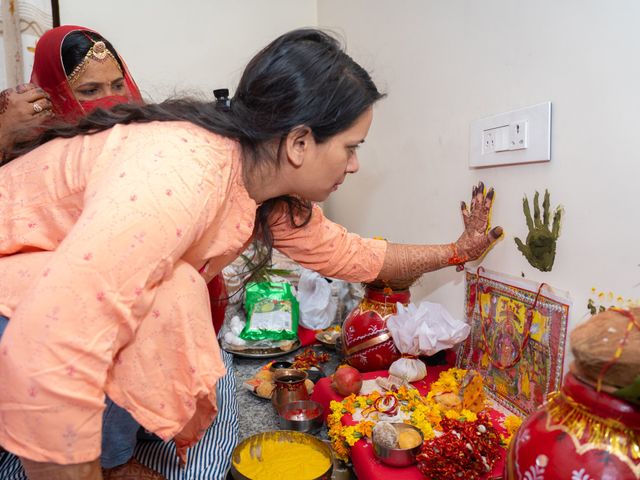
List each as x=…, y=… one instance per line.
x=80, y=71
x=66, y=54
x=71, y=65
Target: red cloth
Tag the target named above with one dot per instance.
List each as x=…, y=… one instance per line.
x=306, y=336
x=48, y=73
x=218, y=297
x=365, y=464
x=104, y=102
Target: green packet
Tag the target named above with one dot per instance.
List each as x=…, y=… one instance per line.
x=272, y=312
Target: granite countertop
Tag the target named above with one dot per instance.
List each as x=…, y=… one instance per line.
x=257, y=414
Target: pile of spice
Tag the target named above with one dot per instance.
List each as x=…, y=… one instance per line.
x=309, y=358
x=466, y=449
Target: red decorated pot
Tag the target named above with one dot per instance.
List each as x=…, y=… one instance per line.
x=578, y=434
x=366, y=341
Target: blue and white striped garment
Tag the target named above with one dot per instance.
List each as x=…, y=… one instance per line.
x=209, y=459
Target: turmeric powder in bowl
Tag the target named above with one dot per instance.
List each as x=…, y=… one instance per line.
x=280, y=455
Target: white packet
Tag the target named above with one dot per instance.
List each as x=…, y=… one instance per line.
x=422, y=330
x=317, y=308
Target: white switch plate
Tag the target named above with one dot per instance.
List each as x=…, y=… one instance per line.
x=520, y=136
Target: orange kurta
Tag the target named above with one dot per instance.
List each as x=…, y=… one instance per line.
x=121, y=222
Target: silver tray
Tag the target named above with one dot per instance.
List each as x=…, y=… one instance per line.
x=260, y=352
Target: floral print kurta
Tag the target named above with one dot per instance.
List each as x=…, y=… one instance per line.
x=102, y=241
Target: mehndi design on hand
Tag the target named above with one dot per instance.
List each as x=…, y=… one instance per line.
x=540, y=246
x=403, y=264
x=476, y=239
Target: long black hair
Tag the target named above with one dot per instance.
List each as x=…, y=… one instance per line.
x=301, y=78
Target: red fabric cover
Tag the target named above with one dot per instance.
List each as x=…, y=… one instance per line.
x=363, y=459
x=306, y=336
x=104, y=102
x=218, y=298
x=48, y=73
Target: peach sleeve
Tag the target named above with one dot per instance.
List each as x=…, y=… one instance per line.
x=329, y=248
x=140, y=215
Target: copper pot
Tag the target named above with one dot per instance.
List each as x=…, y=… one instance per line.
x=289, y=387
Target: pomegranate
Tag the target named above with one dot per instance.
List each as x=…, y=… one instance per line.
x=347, y=380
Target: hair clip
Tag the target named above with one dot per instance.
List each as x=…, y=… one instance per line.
x=223, y=102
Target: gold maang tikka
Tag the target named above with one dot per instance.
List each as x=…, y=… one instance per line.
x=98, y=52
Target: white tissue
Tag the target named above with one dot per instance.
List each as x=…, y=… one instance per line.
x=422, y=330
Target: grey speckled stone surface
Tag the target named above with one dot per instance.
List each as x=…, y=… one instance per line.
x=257, y=414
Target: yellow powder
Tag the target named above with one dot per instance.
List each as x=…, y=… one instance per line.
x=282, y=460
x=408, y=439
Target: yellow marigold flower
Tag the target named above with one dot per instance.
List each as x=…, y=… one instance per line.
x=349, y=403
x=335, y=417
x=340, y=449
x=451, y=414
x=512, y=423
x=468, y=415
x=351, y=436
x=506, y=440
x=374, y=395
x=365, y=428
x=426, y=429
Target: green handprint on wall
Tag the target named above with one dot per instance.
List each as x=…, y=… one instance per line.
x=540, y=247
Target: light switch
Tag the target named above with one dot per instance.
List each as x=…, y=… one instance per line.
x=520, y=136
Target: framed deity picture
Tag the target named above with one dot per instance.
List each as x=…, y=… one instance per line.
x=517, y=339
x=23, y=23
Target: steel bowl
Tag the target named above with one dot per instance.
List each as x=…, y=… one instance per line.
x=301, y=416
x=280, y=364
x=253, y=442
x=397, y=457
x=315, y=373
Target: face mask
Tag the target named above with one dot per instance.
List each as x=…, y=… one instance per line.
x=104, y=102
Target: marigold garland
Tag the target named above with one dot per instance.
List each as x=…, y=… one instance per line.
x=512, y=424
x=423, y=411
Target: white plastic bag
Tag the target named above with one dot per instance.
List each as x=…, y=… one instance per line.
x=317, y=310
x=422, y=330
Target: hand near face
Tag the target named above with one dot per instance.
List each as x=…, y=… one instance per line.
x=21, y=108
x=540, y=246
x=476, y=238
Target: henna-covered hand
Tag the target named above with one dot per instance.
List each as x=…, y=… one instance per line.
x=476, y=238
x=21, y=109
x=403, y=264
x=540, y=246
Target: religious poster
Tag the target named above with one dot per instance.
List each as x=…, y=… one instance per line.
x=517, y=339
x=23, y=23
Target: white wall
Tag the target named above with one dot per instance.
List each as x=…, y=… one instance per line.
x=446, y=63
x=188, y=45
x=443, y=64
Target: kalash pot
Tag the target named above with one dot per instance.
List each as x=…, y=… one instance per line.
x=578, y=434
x=366, y=341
